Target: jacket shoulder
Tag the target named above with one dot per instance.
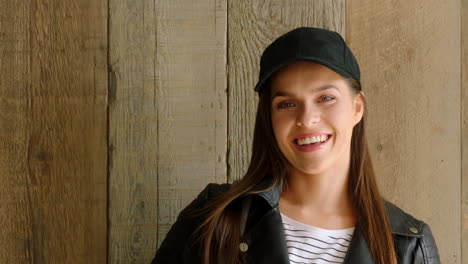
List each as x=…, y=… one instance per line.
x=404, y=224
x=179, y=245
x=210, y=191
x=215, y=189
x=401, y=222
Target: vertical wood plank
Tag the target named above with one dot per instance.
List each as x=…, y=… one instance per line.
x=53, y=99
x=464, y=124
x=409, y=53
x=167, y=116
x=133, y=131
x=252, y=26
x=192, y=102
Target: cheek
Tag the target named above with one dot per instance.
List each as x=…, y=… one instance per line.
x=342, y=120
x=275, y=123
x=279, y=124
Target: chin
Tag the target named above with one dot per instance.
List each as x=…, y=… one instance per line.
x=310, y=169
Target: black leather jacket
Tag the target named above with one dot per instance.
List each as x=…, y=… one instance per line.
x=264, y=234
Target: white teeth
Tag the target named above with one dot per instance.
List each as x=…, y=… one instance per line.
x=313, y=139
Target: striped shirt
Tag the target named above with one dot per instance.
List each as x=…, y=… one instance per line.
x=309, y=244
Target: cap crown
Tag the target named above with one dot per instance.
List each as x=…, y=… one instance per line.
x=317, y=45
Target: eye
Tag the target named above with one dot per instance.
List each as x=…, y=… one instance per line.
x=331, y=98
x=282, y=105
x=287, y=104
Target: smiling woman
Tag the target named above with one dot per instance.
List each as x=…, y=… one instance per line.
x=309, y=194
x=320, y=103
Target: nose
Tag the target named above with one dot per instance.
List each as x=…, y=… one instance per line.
x=308, y=116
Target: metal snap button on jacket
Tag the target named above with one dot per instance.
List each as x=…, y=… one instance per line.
x=413, y=230
x=243, y=247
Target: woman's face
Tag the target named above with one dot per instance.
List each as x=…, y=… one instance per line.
x=311, y=98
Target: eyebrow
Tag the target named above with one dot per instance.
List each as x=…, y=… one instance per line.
x=321, y=88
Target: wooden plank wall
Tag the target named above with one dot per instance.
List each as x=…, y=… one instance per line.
x=409, y=53
x=167, y=116
x=133, y=131
x=464, y=124
x=53, y=129
x=113, y=118
x=192, y=103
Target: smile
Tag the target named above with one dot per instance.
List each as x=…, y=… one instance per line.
x=308, y=147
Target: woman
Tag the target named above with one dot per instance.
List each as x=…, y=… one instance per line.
x=309, y=195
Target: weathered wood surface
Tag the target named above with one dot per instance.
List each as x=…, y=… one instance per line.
x=133, y=132
x=464, y=124
x=409, y=53
x=53, y=129
x=252, y=26
x=192, y=102
x=181, y=77
x=168, y=116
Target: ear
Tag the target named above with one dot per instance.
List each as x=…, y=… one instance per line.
x=359, y=102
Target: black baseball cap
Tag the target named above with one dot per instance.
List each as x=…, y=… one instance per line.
x=317, y=45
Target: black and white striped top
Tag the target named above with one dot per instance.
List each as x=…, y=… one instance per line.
x=309, y=244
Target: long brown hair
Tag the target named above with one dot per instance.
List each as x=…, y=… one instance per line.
x=220, y=231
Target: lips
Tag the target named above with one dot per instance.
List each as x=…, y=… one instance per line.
x=312, y=147
x=310, y=135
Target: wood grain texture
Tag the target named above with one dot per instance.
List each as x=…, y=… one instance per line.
x=167, y=116
x=133, y=131
x=252, y=26
x=53, y=98
x=409, y=52
x=464, y=124
x=192, y=102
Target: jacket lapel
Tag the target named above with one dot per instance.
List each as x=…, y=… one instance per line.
x=266, y=238
x=358, y=250
x=267, y=242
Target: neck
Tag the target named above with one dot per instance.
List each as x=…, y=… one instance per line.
x=322, y=198
x=325, y=192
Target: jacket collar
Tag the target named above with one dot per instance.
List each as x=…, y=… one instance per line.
x=400, y=222
x=358, y=251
